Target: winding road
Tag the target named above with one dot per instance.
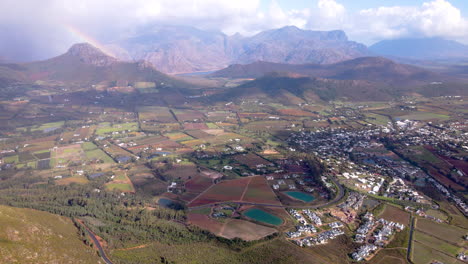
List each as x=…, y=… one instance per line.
x=102, y=253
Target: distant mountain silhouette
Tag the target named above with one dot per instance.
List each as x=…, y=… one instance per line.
x=421, y=48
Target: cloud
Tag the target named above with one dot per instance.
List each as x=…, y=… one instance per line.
x=437, y=18
x=32, y=29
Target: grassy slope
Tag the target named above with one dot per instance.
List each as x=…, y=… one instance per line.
x=30, y=236
x=276, y=251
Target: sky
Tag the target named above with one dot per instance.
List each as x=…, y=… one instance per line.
x=33, y=29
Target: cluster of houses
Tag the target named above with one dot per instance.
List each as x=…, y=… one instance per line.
x=381, y=230
x=302, y=235
x=353, y=201
x=363, y=252
x=354, y=155
x=321, y=238
x=398, y=189
x=365, y=228
x=283, y=181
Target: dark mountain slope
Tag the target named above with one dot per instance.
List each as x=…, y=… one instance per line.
x=374, y=69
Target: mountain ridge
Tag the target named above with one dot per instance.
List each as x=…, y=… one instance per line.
x=375, y=69
x=177, y=49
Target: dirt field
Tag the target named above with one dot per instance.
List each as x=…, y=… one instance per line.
x=251, y=160
x=224, y=191
x=259, y=191
x=245, y=230
x=193, y=126
x=204, y=222
x=296, y=112
x=395, y=214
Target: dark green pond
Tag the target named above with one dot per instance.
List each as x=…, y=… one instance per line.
x=305, y=197
x=262, y=216
x=170, y=204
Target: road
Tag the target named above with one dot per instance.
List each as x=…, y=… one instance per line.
x=98, y=244
x=338, y=197
x=408, y=251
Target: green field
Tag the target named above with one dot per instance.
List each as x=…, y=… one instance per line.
x=93, y=152
x=422, y=254
x=422, y=116
x=125, y=187
x=435, y=243
x=11, y=159
x=30, y=236
x=144, y=85
x=446, y=232
x=107, y=128
x=377, y=119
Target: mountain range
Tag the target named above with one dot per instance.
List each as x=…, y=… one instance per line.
x=180, y=49
x=363, y=78
x=421, y=49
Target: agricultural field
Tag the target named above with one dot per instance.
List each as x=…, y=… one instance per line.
x=120, y=182
x=184, y=115
x=423, y=254
x=296, y=112
x=31, y=236
x=195, y=186
x=155, y=114
x=108, y=128
x=249, y=189
x=258, y=191
x=251, y=160
x=244, y=230
x=395, y=214
x=449, y=233
x=92, y=152
x=44, y=128
x=423, y=116
x=436, y=244
x=231, y=190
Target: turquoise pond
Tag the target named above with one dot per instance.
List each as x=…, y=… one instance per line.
x=305, y=197
x=262, y=216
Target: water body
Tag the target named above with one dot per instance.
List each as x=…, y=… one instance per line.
x=167, y=203
x=305, y=197
x=262, y=216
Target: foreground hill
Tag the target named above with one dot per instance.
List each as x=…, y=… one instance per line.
x=421, y=48
x=30, y=236
x=177, y=49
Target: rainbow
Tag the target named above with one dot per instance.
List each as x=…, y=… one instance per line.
x=83, y=37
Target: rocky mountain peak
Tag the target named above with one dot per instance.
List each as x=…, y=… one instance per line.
x=91, y=55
